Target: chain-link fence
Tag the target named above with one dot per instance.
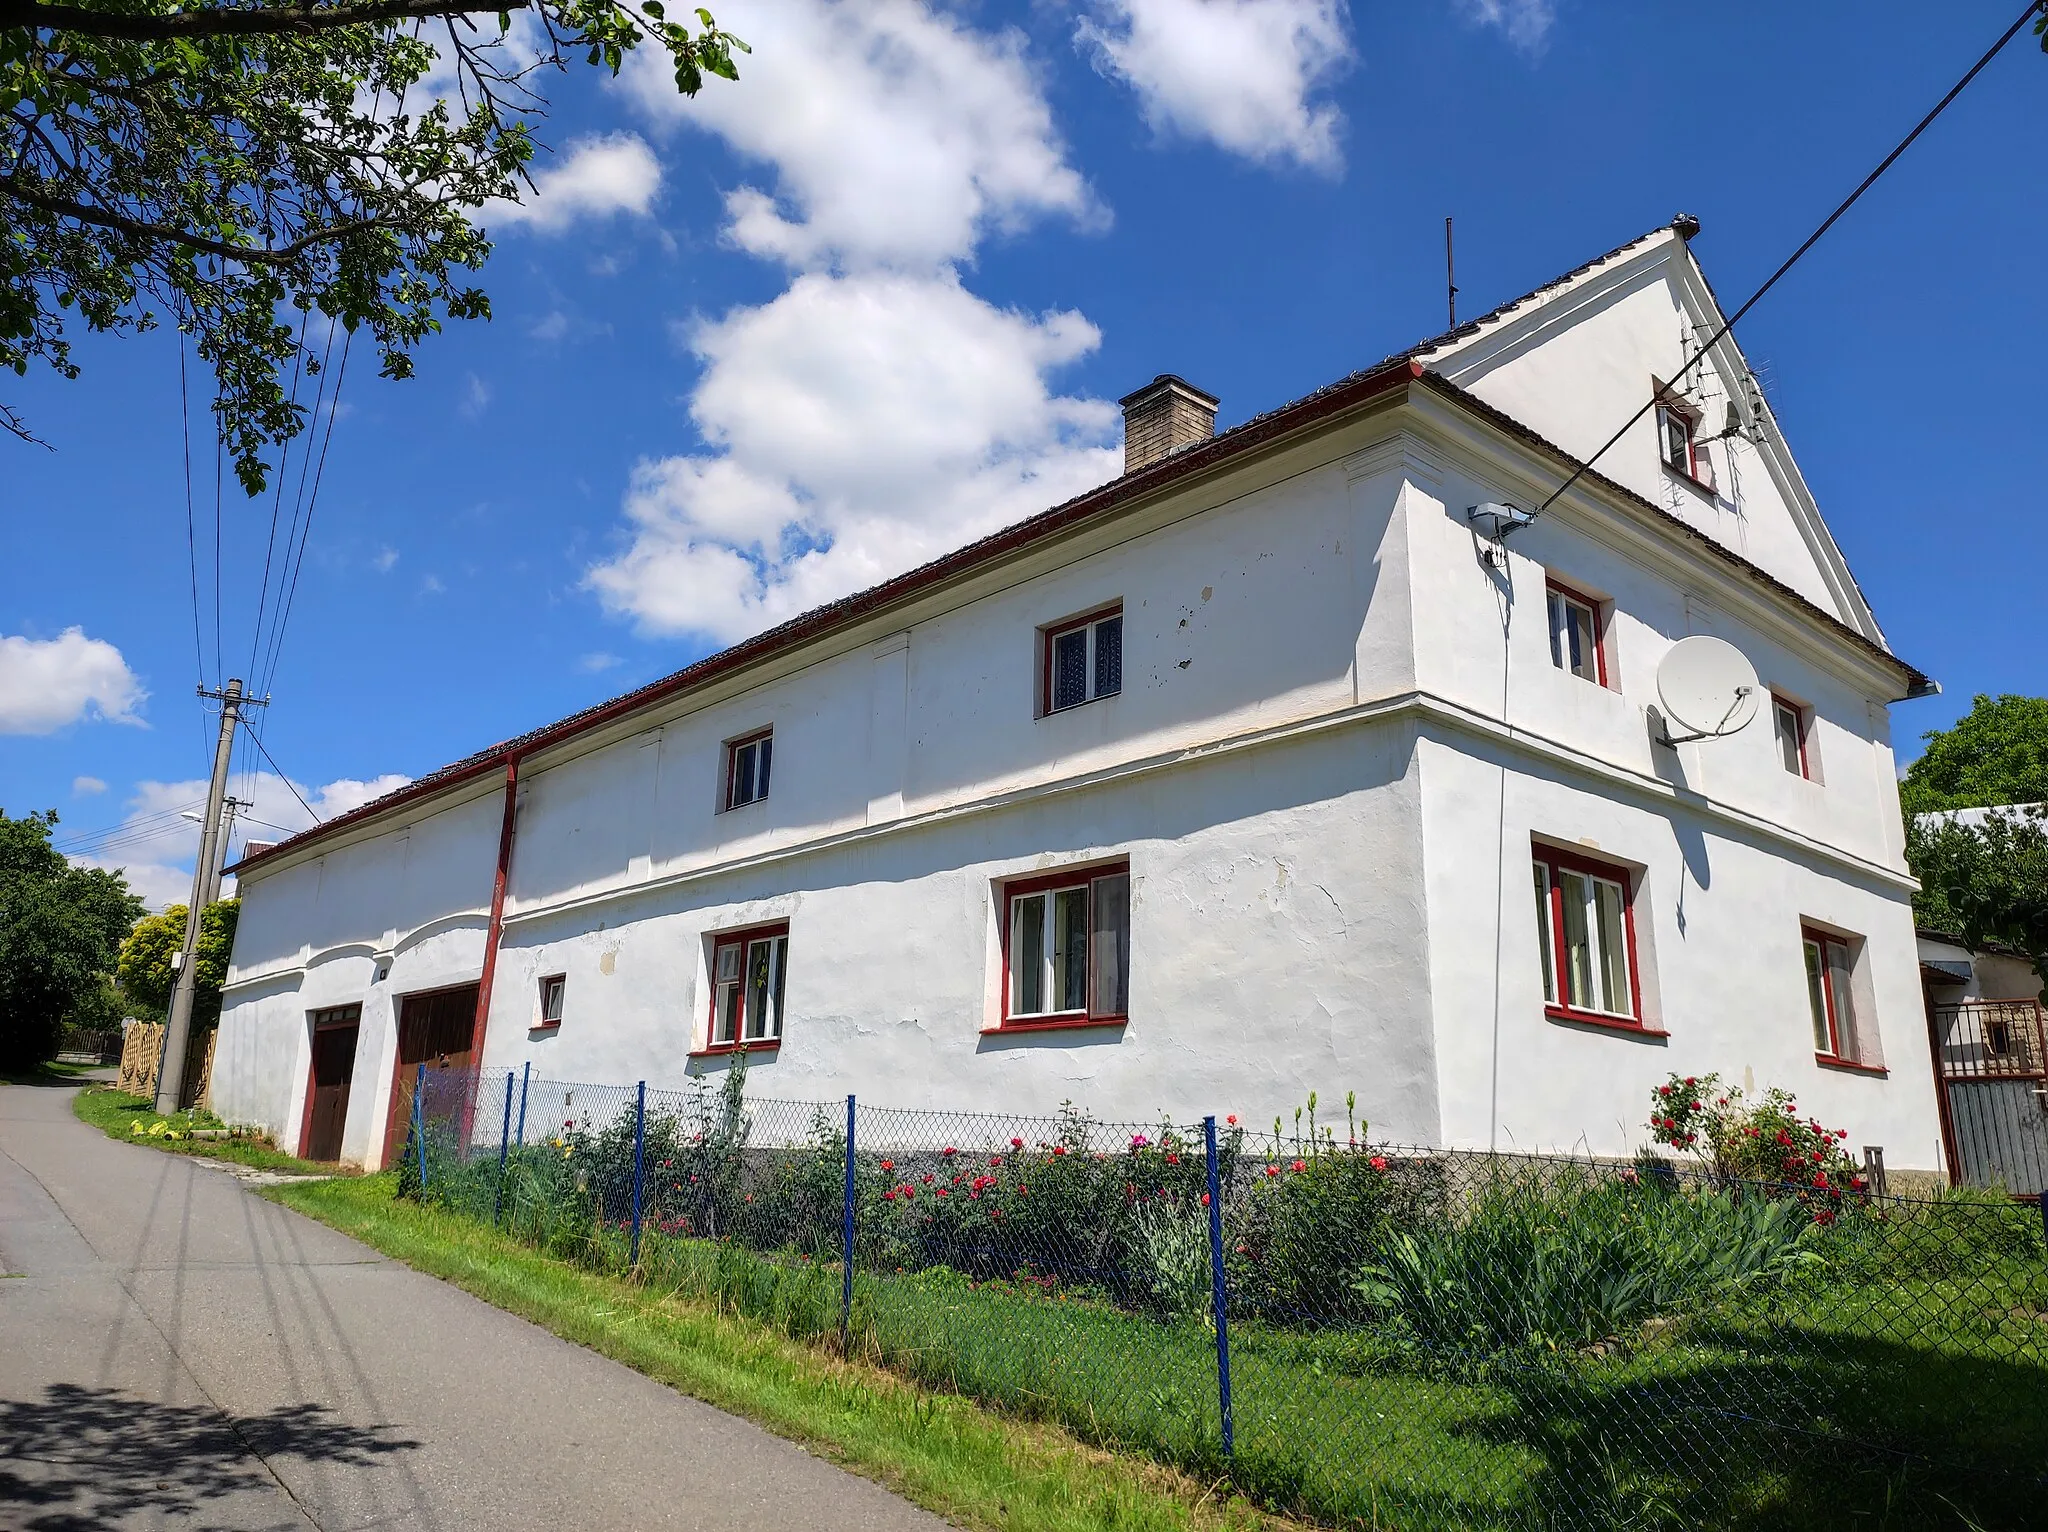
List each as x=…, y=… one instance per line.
x=1352, y=1333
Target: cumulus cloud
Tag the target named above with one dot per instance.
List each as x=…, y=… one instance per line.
x=155, y=846
x=1525, y=23
x=867, y=424
x=596, y=177
x=86, y=787
x=1241, y=74
x=897, y=136
x=877, y=413
x=46, y=683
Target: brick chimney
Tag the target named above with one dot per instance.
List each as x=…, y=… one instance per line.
x=1164, y=416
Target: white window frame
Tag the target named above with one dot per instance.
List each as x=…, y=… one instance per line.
x=749, y=762
x=1800, y=744
x=1556, y=873
x=1668, y=415
x=749, y=991
x=1103, y=895
x=1089, y=628
x=555, y=987
x=1562, y=604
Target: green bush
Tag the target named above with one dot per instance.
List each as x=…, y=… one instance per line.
x=1539, y=1265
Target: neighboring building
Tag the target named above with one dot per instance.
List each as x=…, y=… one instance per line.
x=1989, y=1036
x=1255, y=772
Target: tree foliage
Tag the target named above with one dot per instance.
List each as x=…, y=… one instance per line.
x=240, y=166
x=1986, y=883
x=60, y=927
x=1996, y=753
x=145, y=968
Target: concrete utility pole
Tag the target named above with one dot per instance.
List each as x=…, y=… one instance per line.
x=170, y=1074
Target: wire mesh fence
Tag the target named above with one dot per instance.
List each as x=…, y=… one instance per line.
x=1352, y=1333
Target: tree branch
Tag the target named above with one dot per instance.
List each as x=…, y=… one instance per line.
x=283, y=255
x=210, y=21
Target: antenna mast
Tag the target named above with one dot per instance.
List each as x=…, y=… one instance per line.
x=1450, y=276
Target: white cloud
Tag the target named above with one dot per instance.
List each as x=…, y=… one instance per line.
x=595, y=177
x=898, y=136
x=1242, y=74
x=155, y=846
x=430, y=585
x=46, y=683
x=476, y=398
x=1525, y=23
x=877, y=413
x=593, y=664
x=86, y=787
x=866, y=424
x=384, y=559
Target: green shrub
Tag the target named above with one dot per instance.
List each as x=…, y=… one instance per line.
x=1538, y=1266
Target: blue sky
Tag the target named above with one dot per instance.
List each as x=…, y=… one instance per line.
x=757, y=350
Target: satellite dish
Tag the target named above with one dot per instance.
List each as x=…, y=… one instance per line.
x=1708, y=686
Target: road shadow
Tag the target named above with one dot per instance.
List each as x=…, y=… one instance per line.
x=41, y=1075
x=81, y=1458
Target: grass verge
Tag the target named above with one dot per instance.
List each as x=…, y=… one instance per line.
x=976, y=1468
x=136, y=1121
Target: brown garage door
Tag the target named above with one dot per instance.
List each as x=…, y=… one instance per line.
x=334, y=1064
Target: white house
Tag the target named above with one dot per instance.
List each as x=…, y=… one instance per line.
x=1254, y=772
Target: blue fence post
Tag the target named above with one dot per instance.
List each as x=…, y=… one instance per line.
x=525, y=1075
x=504, y=1146
x=639, y=1163
x=846, y=1245
x=419, y=1123
x=1219, y=1290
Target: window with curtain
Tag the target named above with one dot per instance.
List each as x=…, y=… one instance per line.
x=1585, y=924
x=1081, y=661
x=748, y=970
x=1067, y=947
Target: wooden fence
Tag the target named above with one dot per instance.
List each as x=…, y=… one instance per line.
x=142, y=1050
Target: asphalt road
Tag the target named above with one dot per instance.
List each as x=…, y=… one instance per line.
x=177, y=1352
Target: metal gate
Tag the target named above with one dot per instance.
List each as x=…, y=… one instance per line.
x=1993, y=1056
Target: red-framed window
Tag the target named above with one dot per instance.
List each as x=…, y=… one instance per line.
x=749, y=971
x=1830, y=994
x=1067, y=948
x=747, y=760
x=1586, y=928
x=1792, y=725
x=554, y=988
x=1578, y=632
x=1081, y=660
x=1677, y=427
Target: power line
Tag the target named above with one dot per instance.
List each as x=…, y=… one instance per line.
x=277, y=499
x=191, y=537
x=311, y=502
x=281, y=773
x=2033, y=9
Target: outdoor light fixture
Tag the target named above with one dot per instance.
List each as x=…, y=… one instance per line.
x=1493, y=521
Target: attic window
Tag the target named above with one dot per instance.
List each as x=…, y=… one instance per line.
x=1678, y=443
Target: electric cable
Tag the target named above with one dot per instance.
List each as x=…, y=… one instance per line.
x=281, y=771
x=277, y=499
x=191, y=537
x=312, y=501
x=2033, y=9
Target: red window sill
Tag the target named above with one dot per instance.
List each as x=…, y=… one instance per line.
x=1851, y=1066
x=1565, y=1013
x=766, y=1045
x=1055, y=1024
x=545, y=1026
